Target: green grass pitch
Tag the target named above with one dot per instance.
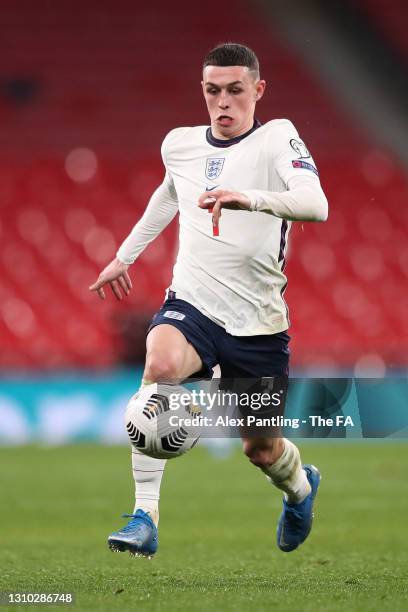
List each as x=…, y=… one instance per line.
x=217, y=532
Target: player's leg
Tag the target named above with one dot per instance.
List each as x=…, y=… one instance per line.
x=263, y=359
x=280, y=460
x=169, y=358
x=169, y=355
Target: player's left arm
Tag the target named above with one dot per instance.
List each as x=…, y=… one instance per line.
x=291, y=164
x=303, y=201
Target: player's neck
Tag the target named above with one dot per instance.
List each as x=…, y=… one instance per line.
x=228, y=135
x=216, y=141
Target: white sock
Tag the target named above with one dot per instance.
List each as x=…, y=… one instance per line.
x=288, y=475
x=147, y=474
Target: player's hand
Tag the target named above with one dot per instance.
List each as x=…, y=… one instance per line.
x=215, y=200
x=118, y=278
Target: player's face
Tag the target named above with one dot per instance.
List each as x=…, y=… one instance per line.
x=231, y=93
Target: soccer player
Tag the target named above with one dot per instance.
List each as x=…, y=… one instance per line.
x=225, y=304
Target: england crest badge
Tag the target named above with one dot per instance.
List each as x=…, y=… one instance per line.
x=213, y=167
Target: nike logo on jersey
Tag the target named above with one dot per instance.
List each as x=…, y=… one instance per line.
x=211, y=188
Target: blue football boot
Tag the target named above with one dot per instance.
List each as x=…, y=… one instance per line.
x=139, y=536
x=296, y=520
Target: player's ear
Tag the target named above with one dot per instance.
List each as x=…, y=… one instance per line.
x=259, y=89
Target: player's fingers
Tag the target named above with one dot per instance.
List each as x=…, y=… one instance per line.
x=96, y=285
x=207, y=197
x=216, y=214
x=115, y=289
x=228, y=202
x=123, y=284
x=208, y=203
x=127, y=280
x=101, y=293
x=216, y=193
x=103, y=279
x=235, y=201
x=203, y=197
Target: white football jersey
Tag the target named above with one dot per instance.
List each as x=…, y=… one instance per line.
x=237, y=278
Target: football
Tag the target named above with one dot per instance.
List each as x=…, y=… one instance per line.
x=161, y=421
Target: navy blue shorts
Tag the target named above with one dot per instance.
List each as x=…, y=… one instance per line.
x=237, y=356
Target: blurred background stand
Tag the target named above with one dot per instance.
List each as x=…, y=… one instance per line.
x=88, y=90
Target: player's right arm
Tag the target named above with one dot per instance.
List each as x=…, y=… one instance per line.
x=161, y=210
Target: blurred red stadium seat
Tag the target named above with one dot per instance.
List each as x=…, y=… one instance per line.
x=96, y=89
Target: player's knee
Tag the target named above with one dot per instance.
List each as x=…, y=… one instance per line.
x=163, y=367
x=263, y=452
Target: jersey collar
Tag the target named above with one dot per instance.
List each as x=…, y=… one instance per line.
x=218, y=142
